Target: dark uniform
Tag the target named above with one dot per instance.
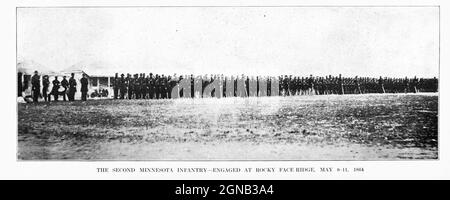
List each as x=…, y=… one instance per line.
x=151, y=86
x=84, y=88
x=146, y=87
x=116, y=86
x=65, y=85
x=122, y=86
x=406, y=85
x=381, y=85
x=72, y=88
x=55, y=88
x=130, y=84
x=137, y=86
x=192, y=87
x=357, y=85
x=285, y=83
x=36, y=86
x=19, y=84
x=414, y=84
x=340, y=85
x=311, y=85
x=157, y=86
x=320, y=86
x=164, y=84
x=45, y=85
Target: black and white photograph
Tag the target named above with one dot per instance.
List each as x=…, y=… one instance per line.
x=245, y=83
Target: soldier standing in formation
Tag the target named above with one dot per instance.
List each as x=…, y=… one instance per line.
x=45, y=85
x=19, y=84
x=414, y=84
x=72, y=87
x=406, y=84
x=84, y=87
x=130, y=84
x=357, y=85
x=65, y=85
x=152, y=86
x=122, y=86
x=157, y=86
x=137, y=85
x=116, y=85
x=55, y=88
x=381, y=85
x=36, y=86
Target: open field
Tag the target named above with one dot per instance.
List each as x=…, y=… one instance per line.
x=347, y=127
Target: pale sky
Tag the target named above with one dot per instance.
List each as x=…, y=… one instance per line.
x=364, y=41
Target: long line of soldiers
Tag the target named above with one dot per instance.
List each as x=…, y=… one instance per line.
x=142, y=86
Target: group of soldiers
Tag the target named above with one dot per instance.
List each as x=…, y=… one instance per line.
x=357, y=85
x=64, y=88
x=142, y=86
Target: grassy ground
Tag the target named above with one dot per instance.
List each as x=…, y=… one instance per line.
x=348, y=127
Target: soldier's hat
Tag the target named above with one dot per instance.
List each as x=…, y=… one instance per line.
x=122, y=75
